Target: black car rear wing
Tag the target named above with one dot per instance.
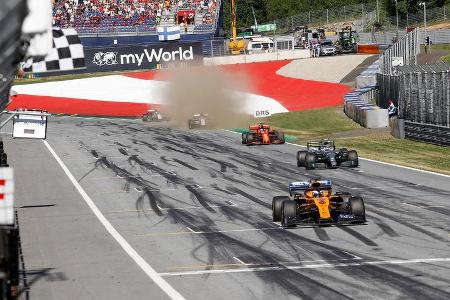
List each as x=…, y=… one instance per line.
x=320, y=144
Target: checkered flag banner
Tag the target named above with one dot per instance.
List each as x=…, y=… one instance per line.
x=66, y=54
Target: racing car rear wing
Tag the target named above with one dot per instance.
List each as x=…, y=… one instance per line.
x=319, y=144
x=305, y=185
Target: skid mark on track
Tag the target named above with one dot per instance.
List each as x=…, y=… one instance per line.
x=174, y=179
x=248, y=196
x=384, y=227
x=275, y=183
x=149, y=190
x=131, y=252
x=321, y=234
x=234, y=180
x=123, y=151
x=217, y=188
x=358, y=236
x=399, y=220
x=315, y=265
x=167, y=161
x=185, y=164
x=435, y=208
x=137, y=142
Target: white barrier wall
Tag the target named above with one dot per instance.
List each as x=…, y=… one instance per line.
x=359, y=110
x=260, y=57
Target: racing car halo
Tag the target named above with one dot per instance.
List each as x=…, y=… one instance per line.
x=314, y=203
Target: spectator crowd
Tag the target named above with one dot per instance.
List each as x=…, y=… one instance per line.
x=126, y=13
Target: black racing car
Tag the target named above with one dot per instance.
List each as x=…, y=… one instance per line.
x=154, y=115
x=198, y=120
x=324, y=152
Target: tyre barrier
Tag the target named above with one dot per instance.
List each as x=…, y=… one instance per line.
x=358, y=108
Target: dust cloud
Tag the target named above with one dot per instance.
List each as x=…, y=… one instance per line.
x=206, y=90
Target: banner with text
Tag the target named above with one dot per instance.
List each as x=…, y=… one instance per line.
x=142, y=57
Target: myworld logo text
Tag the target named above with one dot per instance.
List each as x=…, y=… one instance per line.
x=157, y=56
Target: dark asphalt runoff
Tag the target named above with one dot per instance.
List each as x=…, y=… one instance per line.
x=189, y=214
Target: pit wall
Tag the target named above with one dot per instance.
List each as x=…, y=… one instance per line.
x=260, y=57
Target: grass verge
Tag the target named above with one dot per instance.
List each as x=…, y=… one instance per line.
x=62, y=77
x=370, y=143
x=446, y=58
x=385, y=147
x=313, y=123
x=70, y=77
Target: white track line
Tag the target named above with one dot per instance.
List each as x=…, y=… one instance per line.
x=424, y=207
x=239, y=261
x=416, y=206
x=310, y=266
x=151, y=273
x=352, y=255
x=238, y=230
x=191, y=230
x=371, y=160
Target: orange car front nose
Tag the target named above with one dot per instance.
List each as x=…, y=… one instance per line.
x=323, y=206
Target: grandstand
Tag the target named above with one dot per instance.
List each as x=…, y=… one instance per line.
x=106, y=17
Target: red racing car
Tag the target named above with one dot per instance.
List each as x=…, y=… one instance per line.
x=262, y=135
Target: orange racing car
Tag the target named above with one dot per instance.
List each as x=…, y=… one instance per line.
x=314, y=203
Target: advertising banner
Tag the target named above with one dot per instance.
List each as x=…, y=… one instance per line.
x=142, y=57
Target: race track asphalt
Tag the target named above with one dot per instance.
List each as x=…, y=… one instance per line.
x=196, y=206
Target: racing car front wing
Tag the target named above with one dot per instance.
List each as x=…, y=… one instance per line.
x=341, y=219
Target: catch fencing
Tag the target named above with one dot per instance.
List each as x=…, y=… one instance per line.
x=424, y=96
x=361, y=15
x=439, y=36
x=433, y=16
x=403, y=52
x=421, y=92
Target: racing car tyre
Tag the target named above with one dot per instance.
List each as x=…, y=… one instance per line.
x=280, y=137
x=353, y=158
x=310, y=161
x=357, y=208
x=277, y=203
x=301, y=158
x=288, y=211
x=244, y=138
x=250, y=138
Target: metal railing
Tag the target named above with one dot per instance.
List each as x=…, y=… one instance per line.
x=219, y=47
x=424, y=97
x=433, y=16
x=405, y=50
x=434, y=134
x=362, y=15
x=439, y=36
